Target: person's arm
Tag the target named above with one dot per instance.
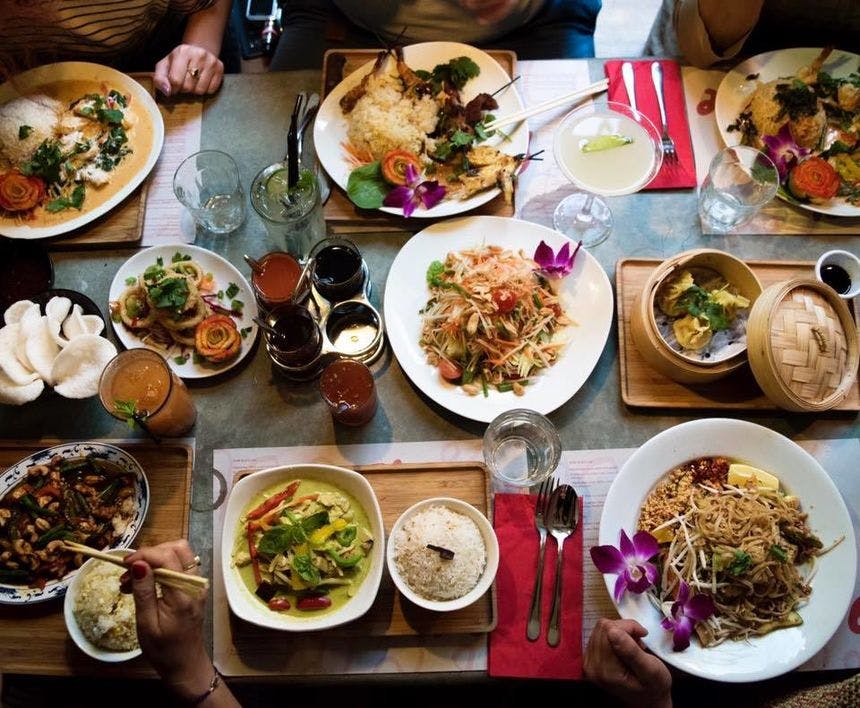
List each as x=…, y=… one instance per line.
x=193, y=66
x=709, y=31
x=615, y=661
x=170, y=628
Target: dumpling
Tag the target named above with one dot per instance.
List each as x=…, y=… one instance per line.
x=731, y=303
x=692, y=332
x=670, y=292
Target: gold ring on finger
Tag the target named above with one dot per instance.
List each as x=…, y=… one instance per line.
x=193, y=564
x=194, y=72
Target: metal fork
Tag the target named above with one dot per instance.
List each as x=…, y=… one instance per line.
x=668, y=144
x=564, y=511
x=544, y=493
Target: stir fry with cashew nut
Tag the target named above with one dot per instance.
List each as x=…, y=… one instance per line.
x=89, y=500
x=492, y=320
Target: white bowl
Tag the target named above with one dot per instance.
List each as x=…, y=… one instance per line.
x=79, y=638
x=490, y=542
x=244, y=604
x=780, y=651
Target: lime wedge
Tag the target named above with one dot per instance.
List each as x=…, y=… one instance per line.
x=605, y=142
x=277, y=185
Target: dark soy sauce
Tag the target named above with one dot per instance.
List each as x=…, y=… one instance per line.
x=337, y=272
x=836, y=277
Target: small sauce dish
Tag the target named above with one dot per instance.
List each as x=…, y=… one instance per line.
x=839, y=270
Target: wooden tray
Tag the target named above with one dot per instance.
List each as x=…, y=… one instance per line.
x=397, y=488
x=33, y=638
x=339, y=211
x=645, y=387
x=122, y=225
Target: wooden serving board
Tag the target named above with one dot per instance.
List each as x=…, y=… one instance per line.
x=122, y=225
x=33, y=638
x=340, y=213
x=646, y=387
x=397, y=487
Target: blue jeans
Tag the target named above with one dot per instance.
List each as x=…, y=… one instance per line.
x=561, y=29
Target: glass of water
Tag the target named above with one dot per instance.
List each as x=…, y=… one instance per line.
x=521, y=447
x=207, y=183
x=740, y=181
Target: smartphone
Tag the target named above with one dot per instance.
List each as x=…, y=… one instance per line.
x=260, y=10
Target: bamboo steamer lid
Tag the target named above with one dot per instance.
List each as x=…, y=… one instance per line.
x=802, y=345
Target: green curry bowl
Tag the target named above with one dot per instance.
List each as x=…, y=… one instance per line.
x=302, y=547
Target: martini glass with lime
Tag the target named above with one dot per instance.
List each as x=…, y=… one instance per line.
x=293, y=215
x=606, y=150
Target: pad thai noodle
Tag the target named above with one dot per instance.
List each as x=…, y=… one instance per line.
x=491, y=321
x=730, y=532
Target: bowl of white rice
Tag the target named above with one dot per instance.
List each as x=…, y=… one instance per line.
x=100, y=618
x=442, y=554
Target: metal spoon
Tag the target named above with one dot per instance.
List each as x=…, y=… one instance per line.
x=256, y=266
x=267, y=328
x=564, y=515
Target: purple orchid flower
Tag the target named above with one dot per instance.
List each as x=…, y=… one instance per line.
x=685, y=612
x=555, y=265
x=629, y=562
x=784, y=152
x=414, y=192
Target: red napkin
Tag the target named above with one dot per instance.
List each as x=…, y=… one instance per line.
x=672, y=174
x=511, y=653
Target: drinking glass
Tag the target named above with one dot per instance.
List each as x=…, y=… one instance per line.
x=521, y=447
x=606, y=150
x=140, y=380
x=293, y=215
x=740, y=181
x=207, y=183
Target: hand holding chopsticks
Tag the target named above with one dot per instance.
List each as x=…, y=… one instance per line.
x=191, y=584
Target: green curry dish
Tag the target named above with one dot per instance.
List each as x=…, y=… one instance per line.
x=300, y=542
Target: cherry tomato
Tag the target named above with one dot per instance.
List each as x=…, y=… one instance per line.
x=279, y=604
x=449, y=371
x=505, y=300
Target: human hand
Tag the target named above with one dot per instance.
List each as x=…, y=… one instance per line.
x=169, y=628
x=489, y=11
x=177, y=72
x=616, y=661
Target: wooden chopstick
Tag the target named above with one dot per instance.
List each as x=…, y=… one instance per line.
x=165, y=576
x=594, y=88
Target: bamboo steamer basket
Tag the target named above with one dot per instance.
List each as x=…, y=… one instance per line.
x=802, y=345
x=646, y=336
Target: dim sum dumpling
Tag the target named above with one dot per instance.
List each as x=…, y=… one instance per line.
x=692, y=332
x=730, y=302
x=672, y=290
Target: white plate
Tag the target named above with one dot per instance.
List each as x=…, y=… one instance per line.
x=245, y=604
x=586, y=287
x=735, y=92
x=224, y=272
x=330, y=129
x=19, y=595
x=780, y=651
x=30, y=81
x=76, y=633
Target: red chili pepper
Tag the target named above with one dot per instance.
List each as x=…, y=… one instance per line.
x=313, y=603
x=252, y=550
x=49, y=490
x=279, y=604
x=273, y=501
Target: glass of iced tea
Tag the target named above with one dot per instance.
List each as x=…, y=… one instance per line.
x=138, y=385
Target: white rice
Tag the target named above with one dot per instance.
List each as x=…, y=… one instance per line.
x=424, y=571
x=384, y=119
x=39, y=112
x=104, y=614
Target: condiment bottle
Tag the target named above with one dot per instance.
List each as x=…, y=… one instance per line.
x=347, y=387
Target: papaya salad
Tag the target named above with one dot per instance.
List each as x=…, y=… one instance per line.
x=493, y=319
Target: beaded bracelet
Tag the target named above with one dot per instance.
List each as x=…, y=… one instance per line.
x=213, y=684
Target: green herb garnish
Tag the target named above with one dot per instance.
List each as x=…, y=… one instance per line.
x=75, y=200
x=697, y=302
x=45, y=163
x=245, y=331
x=169, y=293
x=741, y=563
x=366, y=186
x=231, y=291
x=179, y=257
x=128, y=409
x=131, y=280
x=24, y=131
x=237, y=305
x=180, y=360
x=779, y=553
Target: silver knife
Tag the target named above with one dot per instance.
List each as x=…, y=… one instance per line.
x=627, y=75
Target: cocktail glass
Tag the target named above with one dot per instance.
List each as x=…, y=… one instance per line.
x=606, y=150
